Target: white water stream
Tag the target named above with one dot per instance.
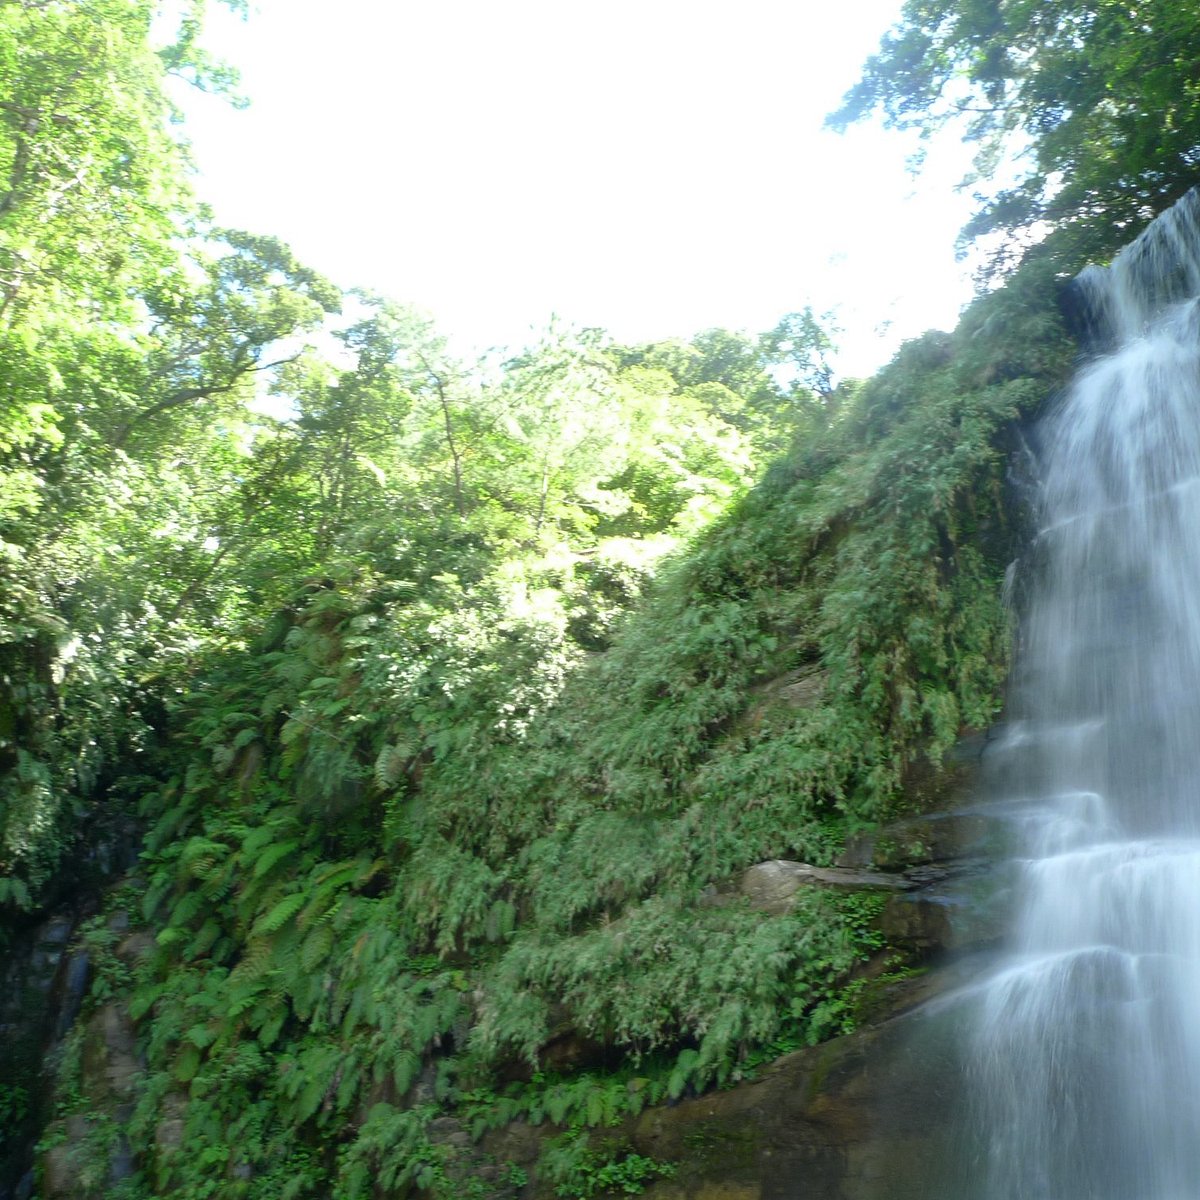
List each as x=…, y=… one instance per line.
x=1085, y=1067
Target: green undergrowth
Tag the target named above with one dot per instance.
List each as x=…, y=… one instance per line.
x=416, y=835
x=579, y=1172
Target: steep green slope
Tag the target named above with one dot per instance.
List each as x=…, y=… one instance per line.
x=413, y=835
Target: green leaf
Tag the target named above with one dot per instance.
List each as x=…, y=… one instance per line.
x=200, y=1036
x=283, y=912
x=14, y=891
x=316, y=947
x=187, y=1063
x=273, y=855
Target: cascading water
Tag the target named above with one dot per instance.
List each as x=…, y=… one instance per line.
x=1085, y=1060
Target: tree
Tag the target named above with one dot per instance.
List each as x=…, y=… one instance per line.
x=770, y=388
x=209, y=339
x=130, y=340
x=92, y=181
x=802, y=346
x=1096, y=103
x=562, y=427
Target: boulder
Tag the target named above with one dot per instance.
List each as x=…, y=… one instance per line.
x=110, y=1061
x=772, y=886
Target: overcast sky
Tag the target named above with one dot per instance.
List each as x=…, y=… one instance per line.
x=653, y=167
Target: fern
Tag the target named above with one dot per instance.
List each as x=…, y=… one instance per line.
x=245, y=737
x=255, y=960
x=391, y=763
x=282, y=912
x=14, y=892
x=272, y=856
x=185, y=909
x=316, y=947
x=199, y=856
x=204, y=940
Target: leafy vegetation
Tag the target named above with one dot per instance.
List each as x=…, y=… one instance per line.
x=579, y=1172
x=449, y=700
x=1095, y=103
x=416, y=832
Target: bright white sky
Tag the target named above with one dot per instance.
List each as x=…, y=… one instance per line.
x=654, y=167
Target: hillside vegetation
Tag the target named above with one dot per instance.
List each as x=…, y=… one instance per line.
x=447, y=701
x=420, y=823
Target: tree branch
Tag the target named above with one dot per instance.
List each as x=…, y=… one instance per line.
x=187, y=395
x=455, y=457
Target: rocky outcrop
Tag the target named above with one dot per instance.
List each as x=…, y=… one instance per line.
x=863, y=1117
x=772, y=887
x=860, y=1118
x=42, y=984
x=943, y=892
x=866, y=1116
x=86, y=1153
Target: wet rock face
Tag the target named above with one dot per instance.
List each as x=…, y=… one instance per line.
x=41, y=988
x=43, y=982
x=110, y=1061
x=88, y=1155
x=863, y=1117
x=60, y=1170
x=837, y=1122
x=944, y=838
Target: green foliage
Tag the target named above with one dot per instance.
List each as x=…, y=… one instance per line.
x=723, y=976
x=87, y=164
x=1096, y=100
x=612, y=1169
x=14, y=1106
x=454, y=698
x=861, y=912
x=392, y=1150
x=414, y=832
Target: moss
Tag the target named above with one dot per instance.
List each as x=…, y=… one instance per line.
x=730, y=1148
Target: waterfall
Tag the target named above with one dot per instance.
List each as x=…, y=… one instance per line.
x=1084, y=1067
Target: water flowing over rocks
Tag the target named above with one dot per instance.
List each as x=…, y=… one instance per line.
x=1081, y=1044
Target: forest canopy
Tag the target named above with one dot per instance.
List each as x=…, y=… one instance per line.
x=179, y=454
